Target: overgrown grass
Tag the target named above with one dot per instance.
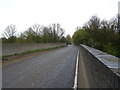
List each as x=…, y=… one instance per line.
x=6, y=57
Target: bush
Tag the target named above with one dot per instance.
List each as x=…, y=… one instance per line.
x=111, y=49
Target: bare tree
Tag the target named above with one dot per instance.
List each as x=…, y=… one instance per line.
x=113, y=23
x=60, y=31
x=10, y=31
x=54, y=31
x=37, y=28
x=105, y=24
x=85, y=26
x=94, y=23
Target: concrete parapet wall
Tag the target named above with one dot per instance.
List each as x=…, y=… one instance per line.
x=12, y=48
x=102, y=69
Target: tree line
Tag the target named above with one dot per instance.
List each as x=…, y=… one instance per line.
x=35, y=34
x=100, y=34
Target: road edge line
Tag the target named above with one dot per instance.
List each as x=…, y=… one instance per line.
x=76, y=73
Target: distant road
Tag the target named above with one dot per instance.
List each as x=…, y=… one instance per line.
x=53, y=69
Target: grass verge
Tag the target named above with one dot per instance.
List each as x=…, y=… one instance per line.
x=6, y=57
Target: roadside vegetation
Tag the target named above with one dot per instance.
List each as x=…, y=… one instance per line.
x=35, y=34
x=99, y=34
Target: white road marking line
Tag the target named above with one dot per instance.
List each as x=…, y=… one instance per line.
x=76, y=73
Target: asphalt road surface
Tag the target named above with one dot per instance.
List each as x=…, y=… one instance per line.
x=54, y=69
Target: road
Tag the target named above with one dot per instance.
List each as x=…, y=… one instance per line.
x=53, y=69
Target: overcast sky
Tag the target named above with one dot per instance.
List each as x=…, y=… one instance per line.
x=69, y=13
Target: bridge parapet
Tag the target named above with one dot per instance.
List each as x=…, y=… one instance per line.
x=13, y=48
x=102, y=69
